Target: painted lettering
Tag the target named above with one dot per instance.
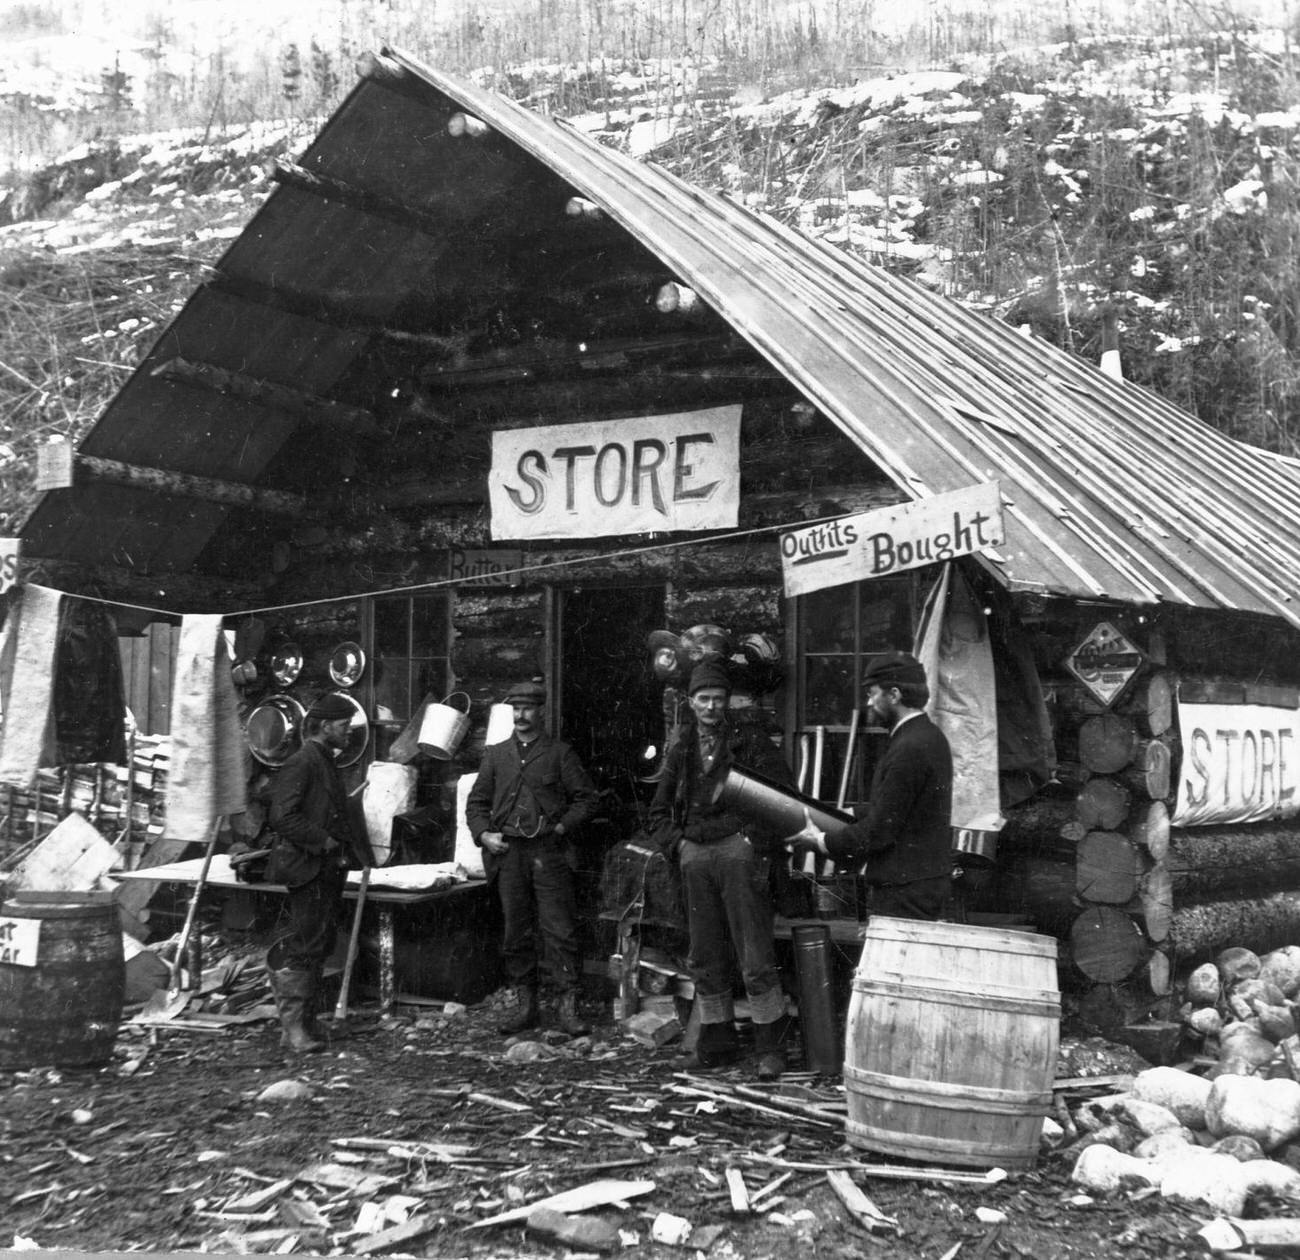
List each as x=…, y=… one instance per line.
x=647, y=455
x=1285, y=738
x=531, y=506
x=1198, y=755
x=682, y=470
x=570, y=456
x=618, y=452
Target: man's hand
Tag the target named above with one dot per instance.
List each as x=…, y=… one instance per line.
x=811, y=836
x=494, y=842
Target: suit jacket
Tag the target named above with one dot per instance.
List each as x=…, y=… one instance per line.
x=906, y=833
x=309, y=808
x=547, y=781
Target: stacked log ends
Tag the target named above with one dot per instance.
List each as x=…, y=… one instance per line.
x=1106, y=944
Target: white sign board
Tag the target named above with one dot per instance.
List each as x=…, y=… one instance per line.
x=644, y=475
x=20, y=941
x=892, y=540
x=1240, y=763
x=10, y=550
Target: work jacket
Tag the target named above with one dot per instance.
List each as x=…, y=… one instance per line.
x=530, y=790
x=309, y=808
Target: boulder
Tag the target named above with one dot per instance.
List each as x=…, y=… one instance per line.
x=1179, y=1092
x=1268, y=1111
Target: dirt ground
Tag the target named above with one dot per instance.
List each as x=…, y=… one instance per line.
x=421, y=1117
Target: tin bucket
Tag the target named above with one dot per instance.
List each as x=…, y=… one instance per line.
x=443, y=727
x=780, y=809
x=501, y=724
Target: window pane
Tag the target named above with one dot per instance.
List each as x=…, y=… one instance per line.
x=391, y=627
x=429, y=625
x=430, y=679
x=828, y=614
x=886, y=615
x=828, y=690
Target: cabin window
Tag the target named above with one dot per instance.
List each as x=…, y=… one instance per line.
x=410, y=634
x=838, y=630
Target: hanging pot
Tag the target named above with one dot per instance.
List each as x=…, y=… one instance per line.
x=273, y=731
x=444, y=726
x=347, y=664
x=286, y=664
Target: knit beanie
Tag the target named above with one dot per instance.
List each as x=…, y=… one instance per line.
x=709, y=674
x=331, y=707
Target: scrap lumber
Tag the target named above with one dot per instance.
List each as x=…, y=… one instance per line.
x=762, y=1109
x=579, y=1232
x=740, y=1203
x=579, y=1199
x=858, y=1204
x=890, y=1171
x=1228, y=1233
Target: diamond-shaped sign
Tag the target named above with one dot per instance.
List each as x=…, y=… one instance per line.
x=1105, y=662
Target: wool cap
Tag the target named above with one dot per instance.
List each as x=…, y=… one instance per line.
x=530, y=691
x=709, y=674
x=331, y=707
x=895, y=669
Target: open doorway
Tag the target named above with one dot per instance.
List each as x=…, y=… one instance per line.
x=610, y=705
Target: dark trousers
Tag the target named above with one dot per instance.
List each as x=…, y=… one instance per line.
x=535, y=882
x=728, y=908
x=921, y=899
x=313, y=913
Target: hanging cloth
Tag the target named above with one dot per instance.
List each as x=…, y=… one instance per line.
x=89, y=696
x=209, y=773
x=952, y=642
x=28, y=651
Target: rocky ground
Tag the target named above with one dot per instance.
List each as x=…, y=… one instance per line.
x=408, y=1135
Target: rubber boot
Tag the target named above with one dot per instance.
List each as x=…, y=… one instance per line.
x=568, y=1018
x=717, y=1046
x=293, y=993
x=770, y=1054
x=524, y=1015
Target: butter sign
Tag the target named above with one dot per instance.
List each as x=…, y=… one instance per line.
x=892, y=540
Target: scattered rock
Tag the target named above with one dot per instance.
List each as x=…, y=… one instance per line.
x=287, y=1091
x=1181, y=1093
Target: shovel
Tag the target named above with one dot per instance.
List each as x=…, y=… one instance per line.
x=341, y=1006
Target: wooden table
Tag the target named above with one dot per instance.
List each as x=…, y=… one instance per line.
x=385, y=901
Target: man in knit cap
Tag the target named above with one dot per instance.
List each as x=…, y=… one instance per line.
x=905, y=837
x=317, y=834
x=724, y=866
x=530, y=796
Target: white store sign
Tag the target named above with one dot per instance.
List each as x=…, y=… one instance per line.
x=649, y=474
x=1240, y=763
x=892, y=540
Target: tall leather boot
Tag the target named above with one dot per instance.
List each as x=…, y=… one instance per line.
x=293, y=992
x=717, y=1046
x=567, y=1015
x=524, y=1014
x=770, y=1054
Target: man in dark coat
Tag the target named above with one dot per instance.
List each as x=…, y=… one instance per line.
x=531, y=794
x=905, y=837
x=724, y=869
x=316, y=836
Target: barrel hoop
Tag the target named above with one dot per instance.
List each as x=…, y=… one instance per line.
x=949, y=1150
x=1022, y=1002
x=949, y=1097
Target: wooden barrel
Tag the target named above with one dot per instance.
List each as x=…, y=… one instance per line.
x=951, y=1039
x=62, y=979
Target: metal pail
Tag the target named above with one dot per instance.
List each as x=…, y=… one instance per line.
x=444, y=726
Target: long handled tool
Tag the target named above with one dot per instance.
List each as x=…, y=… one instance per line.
x=354, y=939
x=810, y=857
x=174, y=983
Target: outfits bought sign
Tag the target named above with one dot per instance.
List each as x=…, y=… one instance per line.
x=1240, y=763
x=645, y=475
x=893, y=539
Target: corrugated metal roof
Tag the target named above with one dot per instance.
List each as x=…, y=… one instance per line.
x=1111, y=493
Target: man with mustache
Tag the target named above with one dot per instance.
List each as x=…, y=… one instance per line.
x=531, y=794
x=905, y=837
